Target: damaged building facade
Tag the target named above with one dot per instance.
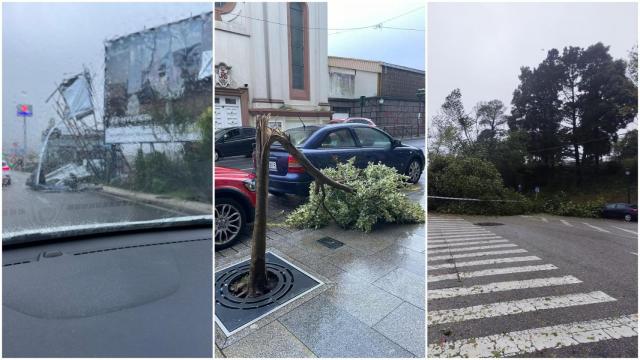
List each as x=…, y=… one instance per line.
x=271, y=58
x=390, y=95
x=157, y=84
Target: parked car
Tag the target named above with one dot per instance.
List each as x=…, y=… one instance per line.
x=625, y=211
x=234, y=141
x=6, y=174
x=325, y=146
x=235, y=202
x=356, y=120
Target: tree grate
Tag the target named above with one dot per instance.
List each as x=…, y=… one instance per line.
x=234, y=313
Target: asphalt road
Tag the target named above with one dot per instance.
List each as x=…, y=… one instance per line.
x=23, y=208
x=573, y=257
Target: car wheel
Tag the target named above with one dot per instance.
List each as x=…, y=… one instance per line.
x=230, y=221
x=414, y=171
x=628, y=217
x=217, y=155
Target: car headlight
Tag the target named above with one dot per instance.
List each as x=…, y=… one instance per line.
x=250, y=184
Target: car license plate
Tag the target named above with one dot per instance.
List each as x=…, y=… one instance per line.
x=272, y=166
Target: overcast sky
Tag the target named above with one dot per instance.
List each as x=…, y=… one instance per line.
x=43, y=43
x=400, y=47
x=480, y=48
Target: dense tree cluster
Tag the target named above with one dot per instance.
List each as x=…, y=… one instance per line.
x=569, y=111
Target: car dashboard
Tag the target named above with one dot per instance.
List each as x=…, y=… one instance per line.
x=141, y=294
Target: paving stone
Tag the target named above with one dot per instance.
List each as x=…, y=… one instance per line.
x=331, y=332
x=366, y=268
x=271, y=341
x=405, y=285
x=219, y=354
x=406, y=258
x=405, y=326
x=366, y=302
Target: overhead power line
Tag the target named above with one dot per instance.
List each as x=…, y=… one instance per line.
x=378, y=25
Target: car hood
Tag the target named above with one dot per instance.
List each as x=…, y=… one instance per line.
x=231, y=174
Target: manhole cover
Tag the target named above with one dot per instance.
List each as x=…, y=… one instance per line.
x=234, y=313
x=330, y=242
x=488, y=224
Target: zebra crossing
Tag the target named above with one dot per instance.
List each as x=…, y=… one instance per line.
x=458, y=251
x=605, y=228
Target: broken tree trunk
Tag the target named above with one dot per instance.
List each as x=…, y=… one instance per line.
x=265, y=137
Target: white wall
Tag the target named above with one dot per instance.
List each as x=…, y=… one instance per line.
x=233, y=44
x=366, y=83
x=242, y=44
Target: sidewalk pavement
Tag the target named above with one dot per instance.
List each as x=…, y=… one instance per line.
x=372, y=303
x=186, y=206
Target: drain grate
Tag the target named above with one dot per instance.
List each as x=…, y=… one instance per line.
x=330, y=242
x=234, y=313
x=488, y=224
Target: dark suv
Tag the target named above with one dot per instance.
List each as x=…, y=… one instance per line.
x=235, y=141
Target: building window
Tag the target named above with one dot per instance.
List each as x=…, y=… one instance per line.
x=298, y=51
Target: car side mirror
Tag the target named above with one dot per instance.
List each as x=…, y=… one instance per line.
x=395, y=143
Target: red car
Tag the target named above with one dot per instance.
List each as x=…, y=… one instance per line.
x=358, y=120
x=235, y=202
x=6, y=174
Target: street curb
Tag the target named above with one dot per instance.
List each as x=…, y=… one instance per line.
x=173, y=203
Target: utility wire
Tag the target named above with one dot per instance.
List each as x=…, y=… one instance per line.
x=378, y=25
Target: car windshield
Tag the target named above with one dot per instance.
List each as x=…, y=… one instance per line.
x=300, y=135
x=107, y=115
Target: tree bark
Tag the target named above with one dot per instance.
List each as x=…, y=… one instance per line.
x=265, y=136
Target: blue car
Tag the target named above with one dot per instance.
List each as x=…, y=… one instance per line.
x=325, y=146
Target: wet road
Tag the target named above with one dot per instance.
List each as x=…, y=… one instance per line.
x=539, y=285
x=23, y=208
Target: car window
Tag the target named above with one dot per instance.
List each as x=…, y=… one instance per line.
x=248, y=132
x=369, y=137
x=299, y=135
x=233, y=134
x=610, y=206
x=359, y=121
x=338, y=139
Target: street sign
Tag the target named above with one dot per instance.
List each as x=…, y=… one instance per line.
x=25, y=110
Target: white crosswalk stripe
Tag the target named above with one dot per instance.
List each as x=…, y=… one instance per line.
x=516, y=307
x=437, y=237
x=476, y=254
x=491, y=272
x=456, y=247
x=483, y=262
x=467, y=243
x=486, y=247
x=470, y=239
x=501, y=286
x=566, y=222
x=629, y=231
x=596, y=227
x=548, y=337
